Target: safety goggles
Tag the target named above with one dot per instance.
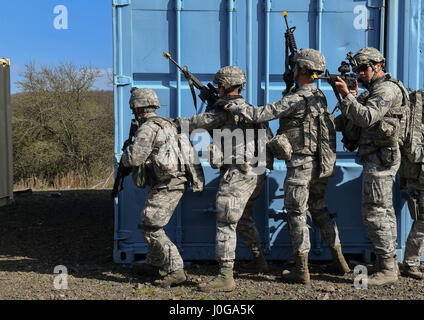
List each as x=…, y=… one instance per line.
x=362, y=68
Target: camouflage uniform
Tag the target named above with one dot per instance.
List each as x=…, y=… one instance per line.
x=167, y=184
x=380, y=163
x=304, y=190
x=373, y=111
x=239, y=187
x=414, y=247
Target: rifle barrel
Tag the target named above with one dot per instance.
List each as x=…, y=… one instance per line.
x=285, y=18
x=168, y=56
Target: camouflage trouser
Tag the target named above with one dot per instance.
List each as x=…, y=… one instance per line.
x=415, y=243
x=158, y=209
x=303, y=193
x=234, y=205
x=378, y=213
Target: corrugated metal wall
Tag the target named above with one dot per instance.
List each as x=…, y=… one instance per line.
x=207, y=35
x=6, y=168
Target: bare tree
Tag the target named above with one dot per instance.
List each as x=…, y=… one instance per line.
x=58, y=126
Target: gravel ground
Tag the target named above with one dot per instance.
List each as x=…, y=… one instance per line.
x=75, y=229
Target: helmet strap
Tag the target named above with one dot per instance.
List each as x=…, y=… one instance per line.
x=231, y=89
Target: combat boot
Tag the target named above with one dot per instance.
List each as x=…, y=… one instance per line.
x=172, y=278
x=257, y=265
x=300, y=272
x=411, y=271
x=386, y=275
x=223, y=282
x=373, y=268
x=339, y=264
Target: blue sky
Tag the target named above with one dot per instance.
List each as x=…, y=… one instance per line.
x=29, y=34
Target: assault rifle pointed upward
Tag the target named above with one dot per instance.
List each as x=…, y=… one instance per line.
x=208, y=93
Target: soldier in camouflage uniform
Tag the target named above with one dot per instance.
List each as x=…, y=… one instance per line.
x=303, y=189
x=168, y=183
x=376, y=113
x=239, y=187
x=412, y=172
x=414, y=246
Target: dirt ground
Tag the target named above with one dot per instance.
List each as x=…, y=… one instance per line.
x=74, y=229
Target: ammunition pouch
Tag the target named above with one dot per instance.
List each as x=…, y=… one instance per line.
x=280, y=147
x=387, y=156
x=140, y=176
x=387, y=133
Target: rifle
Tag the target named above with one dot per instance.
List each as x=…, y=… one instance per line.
x=208, y=93
x=290, y=45
x=349, y=78
x=122, y=170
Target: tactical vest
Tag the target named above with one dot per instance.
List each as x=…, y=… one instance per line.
x=392, y=130
x=314, y=134
x=175, y=156
x=249, y=151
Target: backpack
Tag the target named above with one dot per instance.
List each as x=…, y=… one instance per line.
x=176, y=153
x=326, y=144
x=315, y=133
x=416, y=117
x=412, y=163
x=325, y=137
x=402, y=113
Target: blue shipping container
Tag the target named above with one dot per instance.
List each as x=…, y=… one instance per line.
x=210, y=34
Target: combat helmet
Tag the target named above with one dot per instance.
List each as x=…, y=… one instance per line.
x=367, y=56
x=144, y=98
x=230, y=76
x=310, y=59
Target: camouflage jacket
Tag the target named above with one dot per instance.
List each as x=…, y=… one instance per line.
x=246, y=147
x=368, y=112
x=150, y=140
x=291, y=111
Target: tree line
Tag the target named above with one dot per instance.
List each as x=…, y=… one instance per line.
x=61, y=126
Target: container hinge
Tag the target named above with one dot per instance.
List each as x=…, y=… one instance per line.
x=121, y=3
x=374, y=3
x=122, y=80
x=123, y=234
